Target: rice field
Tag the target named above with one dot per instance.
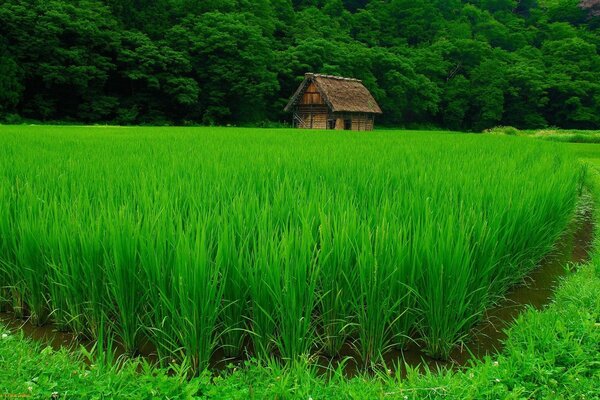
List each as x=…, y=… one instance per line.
x=272, y=243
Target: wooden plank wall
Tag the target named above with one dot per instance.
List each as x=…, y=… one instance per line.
x=316, y=117
x=313, y=116
x=357, y=122
x=369, y=123
x=312, y=96
x=360, y=121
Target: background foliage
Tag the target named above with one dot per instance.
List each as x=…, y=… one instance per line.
x=454, y=63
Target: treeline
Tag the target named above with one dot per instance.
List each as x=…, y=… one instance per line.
x=457, y=64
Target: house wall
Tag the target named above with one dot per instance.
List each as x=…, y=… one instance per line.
x=311, y=96
x=316, y=117
x=370, y=123
x=312, y=116
x=359, y=121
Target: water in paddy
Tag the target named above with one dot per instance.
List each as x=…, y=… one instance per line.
x=486, y=338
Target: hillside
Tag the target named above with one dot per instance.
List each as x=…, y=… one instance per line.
x=466, y=65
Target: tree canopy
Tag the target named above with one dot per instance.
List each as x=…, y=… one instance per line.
x=459, y=64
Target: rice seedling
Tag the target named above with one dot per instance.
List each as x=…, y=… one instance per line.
x=297, y=296
x=232, y=258
x=336, y=257
x=123, y=281
x=274, y=243
x=197, y=295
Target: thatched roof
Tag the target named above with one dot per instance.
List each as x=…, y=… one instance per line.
x=340, y=94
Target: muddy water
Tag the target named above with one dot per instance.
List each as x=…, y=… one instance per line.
x=486, y=338
x=46, y=334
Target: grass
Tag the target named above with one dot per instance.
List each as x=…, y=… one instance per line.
x=552, y=134
x=282, y=244
x=549, y=354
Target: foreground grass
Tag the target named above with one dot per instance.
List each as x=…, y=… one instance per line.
x=552, y=354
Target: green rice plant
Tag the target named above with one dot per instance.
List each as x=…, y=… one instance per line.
x=77, y=278
x=157, y=263
x=264, y=282
x=446, y=291
x=6, y=254
x=297, y=297
x=32, y=267
x=336, y=257
x=404, y=277
x=274, y=243
x=123, y=281
x=58, y=285
x=375, y=306
x=197, y=294
x=232, y=258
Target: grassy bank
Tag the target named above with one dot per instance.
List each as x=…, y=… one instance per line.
x=551, y=134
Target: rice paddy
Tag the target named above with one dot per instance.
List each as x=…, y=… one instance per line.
x=272, y=243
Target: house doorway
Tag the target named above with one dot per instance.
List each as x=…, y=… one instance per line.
x=347, y=124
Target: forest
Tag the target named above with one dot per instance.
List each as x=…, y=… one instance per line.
x=455, y=64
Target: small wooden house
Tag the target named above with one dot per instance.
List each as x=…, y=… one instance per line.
x=333, y=102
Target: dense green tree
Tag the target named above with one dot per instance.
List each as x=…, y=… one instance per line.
x=405, y=95
x=365, y=27
x=455, y=103
x=156, y=81
x=526, y=95
x=10, y=83
x=573, y=82
x=64, y=52
x=407, y=21
x=231, y=62
x=565, y=11
x=459, y=64
x=488, y=86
